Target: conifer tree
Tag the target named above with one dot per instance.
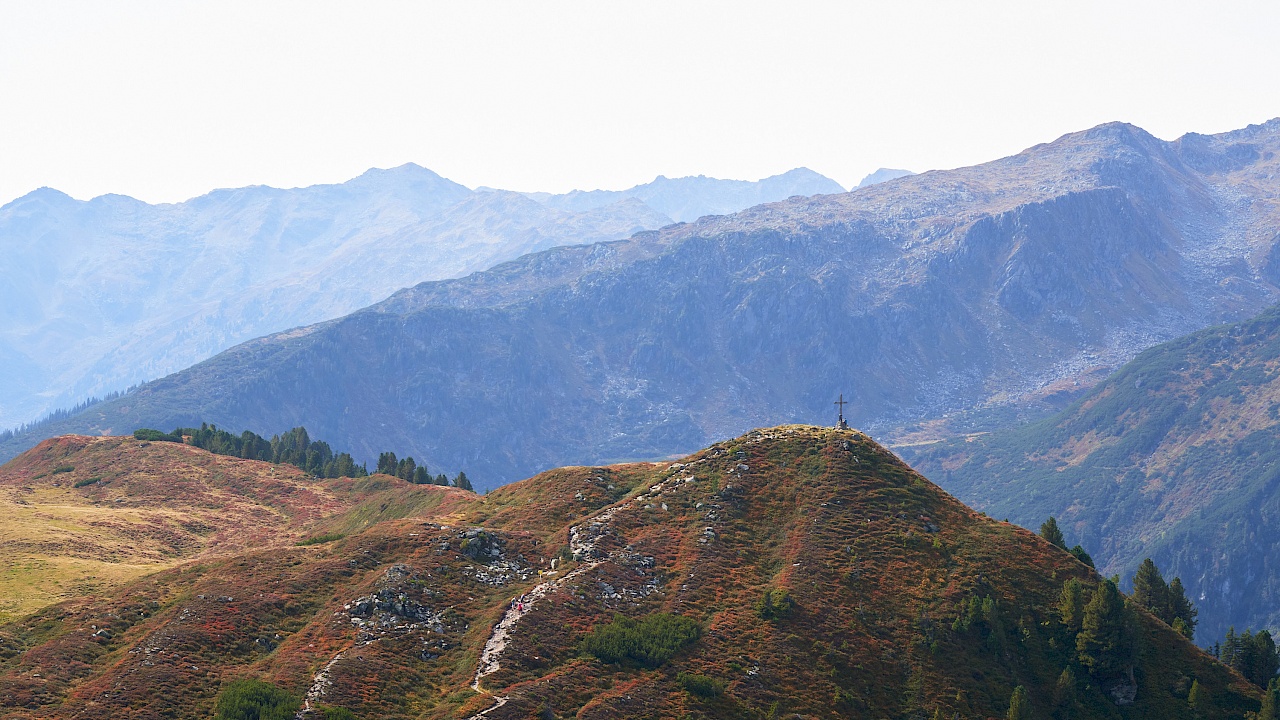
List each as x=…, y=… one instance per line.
x=1019, y=705
x=1150, y=591
x=1183, y=611
x=462, y=482
x=1081, y=555
x=421, y=476
x=1271, y=702
x=405, y=468
x=1064, y=695
x=1198, y=699
x=442, y=479
x=1106, y=642
x=1051, y=532
x=1266, y=659
x=344, y=466
x=1253, y=655
x=387, y=463
x=1071, y=605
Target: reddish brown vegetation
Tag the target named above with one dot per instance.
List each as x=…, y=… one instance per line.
x=875, y=559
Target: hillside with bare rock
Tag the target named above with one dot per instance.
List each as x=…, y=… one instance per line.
x=791, y=572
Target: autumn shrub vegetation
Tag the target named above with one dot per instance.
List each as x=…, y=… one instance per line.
x=648, y=641
x=700, y=685
x=774, y=604
x=255, y=700
x=321, y=539
x=156, y=435
x=334, y=713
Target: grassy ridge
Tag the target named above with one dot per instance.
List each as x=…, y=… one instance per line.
x=867, y=567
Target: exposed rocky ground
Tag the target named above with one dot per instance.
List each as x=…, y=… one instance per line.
x=824, y=577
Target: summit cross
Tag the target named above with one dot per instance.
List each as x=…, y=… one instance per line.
x=840, y=423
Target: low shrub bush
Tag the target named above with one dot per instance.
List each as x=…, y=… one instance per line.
x=320, y=539
x=649, y=641
x=255, y=700
x=700, y=685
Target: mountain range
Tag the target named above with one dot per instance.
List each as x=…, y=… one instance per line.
x=1175, y=457
x=794, y=571
x=998, y=285
x=108, y=293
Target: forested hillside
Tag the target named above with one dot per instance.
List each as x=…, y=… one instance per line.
x=1175, y=457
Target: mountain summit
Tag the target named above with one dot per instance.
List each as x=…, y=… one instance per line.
x=791, y=571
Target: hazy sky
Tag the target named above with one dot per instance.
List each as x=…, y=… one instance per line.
x=166, y=100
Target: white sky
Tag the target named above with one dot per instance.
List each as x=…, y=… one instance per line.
x=167, y=100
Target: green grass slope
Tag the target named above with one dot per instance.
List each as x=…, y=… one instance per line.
x=1175, y=457
x=810, y=573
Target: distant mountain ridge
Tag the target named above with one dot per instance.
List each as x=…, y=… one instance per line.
x=925, y=296
x=688, y=198
x=107, y=293
x=1175, y=457
x=883, y=175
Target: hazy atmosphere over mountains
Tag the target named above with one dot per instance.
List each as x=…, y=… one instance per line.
x=104, y=294
x=492, y=432
x=921, y=297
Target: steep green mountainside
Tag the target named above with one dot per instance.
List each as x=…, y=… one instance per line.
x=791, y=572
x=917, y=298
x=1175, y=457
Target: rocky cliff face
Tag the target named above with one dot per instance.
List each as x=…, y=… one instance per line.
x=929, y=295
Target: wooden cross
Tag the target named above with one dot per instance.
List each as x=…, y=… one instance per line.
x=840, y=404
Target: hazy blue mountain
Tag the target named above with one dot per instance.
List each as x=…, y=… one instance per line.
x=1175, y=457
x=917, y=298
x=103, y=294
x=688, y=198
x=883, y=175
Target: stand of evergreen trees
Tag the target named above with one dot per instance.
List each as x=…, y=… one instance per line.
x=1167, y=602
x=61, y=414
x=1253, y=655
x=1051, y=532
x=408, y=469
x=298, y=449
